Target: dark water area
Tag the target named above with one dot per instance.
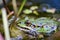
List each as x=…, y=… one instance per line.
x=52, y=3
x=2, y=4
